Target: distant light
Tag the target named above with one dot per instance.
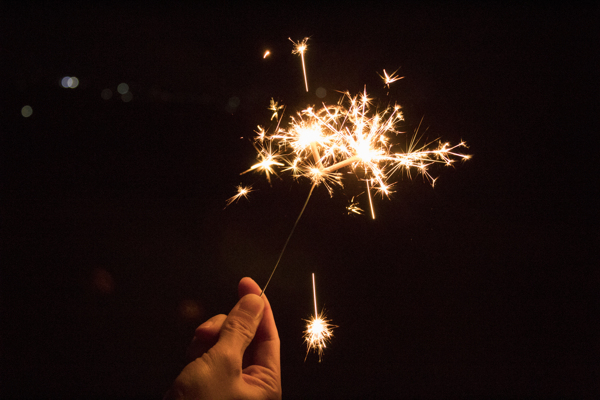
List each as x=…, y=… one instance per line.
x=69, y=82
x=26, y=111
x=267, y=54
x=123, y=88
x=73, y=82
x=106, y=94
x=102, y=281
x=127, y=97
x=232, y=104
x=321, y=92
x=190, y=310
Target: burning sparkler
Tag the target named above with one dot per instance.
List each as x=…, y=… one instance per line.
x=318, y=331
x=318, y=143
x=300, y=49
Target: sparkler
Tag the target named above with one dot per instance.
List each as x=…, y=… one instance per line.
x=300, y=49
x=318, y=331
x=352, y=135
x=318, y=143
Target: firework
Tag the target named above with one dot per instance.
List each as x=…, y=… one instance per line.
x=318, y=331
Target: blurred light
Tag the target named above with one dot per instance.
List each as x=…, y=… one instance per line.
x=103, y=281
x=106, y=94
x=123, y=88
x=267, y=54
x=190, y=310
x=232, y=104
x=69, y=82
x=127, y=97
x=321, y=92
x=26, y=111
x=73, y=82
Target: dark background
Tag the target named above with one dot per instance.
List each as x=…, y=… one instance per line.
x=115, y=244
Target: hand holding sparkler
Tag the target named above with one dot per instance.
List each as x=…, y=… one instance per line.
x=234, y=356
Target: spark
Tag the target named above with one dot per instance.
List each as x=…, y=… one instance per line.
x=242, y=192
x=267, y=54
x=354, y=207
x=388, y=79
x=268, y=159
x=300, y=48
x=275, y=107
x=319, y=143
x=318, y=331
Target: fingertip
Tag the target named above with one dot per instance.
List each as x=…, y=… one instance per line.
x=246, y=286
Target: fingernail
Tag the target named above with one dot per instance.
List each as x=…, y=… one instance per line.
x=252, y=304
x=207, y=324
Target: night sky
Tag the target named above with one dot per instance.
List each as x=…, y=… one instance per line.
x=115, y=243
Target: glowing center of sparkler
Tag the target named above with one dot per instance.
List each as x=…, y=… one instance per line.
x=308, y=135
x=318, y=328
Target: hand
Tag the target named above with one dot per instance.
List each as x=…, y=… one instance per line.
x=234, y=356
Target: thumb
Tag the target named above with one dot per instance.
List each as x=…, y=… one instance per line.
x=241, y=324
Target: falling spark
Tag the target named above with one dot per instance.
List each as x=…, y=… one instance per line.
x=267, y=54
x=275, y=107
x=300, y=48
x=242, y=192
x=388, y=79
x=318, y=331
x=354, y=207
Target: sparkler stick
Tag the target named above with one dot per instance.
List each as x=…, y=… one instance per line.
x=288, y=238
x=318, y=329
x=300, y=49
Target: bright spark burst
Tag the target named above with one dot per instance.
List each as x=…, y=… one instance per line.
x=317, y=335
x=319, y=143
x=388, y=79
x=318, y=331
x=300, y=48
x=242, y=192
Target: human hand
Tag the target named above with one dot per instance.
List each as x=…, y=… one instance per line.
x=234, y=356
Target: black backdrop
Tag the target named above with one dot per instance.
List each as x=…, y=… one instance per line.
x=115, y=243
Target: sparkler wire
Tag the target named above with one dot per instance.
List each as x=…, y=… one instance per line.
x=289, y=237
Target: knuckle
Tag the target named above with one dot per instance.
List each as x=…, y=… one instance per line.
x=240, y=326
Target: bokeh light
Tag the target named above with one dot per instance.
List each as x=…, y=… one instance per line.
x=102, y=281
x=127, y=97
x=106, y=94
x=321, y=92
x=26, y=111
x=232, y=104
x=123, y=88
x=190, y=310
x=69, y=82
